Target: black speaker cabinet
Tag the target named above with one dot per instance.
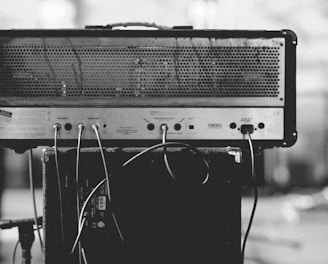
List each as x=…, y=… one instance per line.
x=162, y=221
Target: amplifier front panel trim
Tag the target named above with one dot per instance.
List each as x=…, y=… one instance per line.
x=141, y=123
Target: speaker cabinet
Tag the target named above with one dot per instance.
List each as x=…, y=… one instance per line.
x=161, y=220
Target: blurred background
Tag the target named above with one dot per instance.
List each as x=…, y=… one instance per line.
x=291, y=223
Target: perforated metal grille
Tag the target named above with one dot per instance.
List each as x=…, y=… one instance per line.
x=168, y=71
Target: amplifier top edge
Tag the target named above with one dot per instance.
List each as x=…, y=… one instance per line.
x=212, y=33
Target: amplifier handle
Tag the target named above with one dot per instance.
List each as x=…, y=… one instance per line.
x=129, y=24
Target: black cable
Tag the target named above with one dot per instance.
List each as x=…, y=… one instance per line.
x=84, y=256
x=255, y=198
x=15, y=251
x=138, y=155
x=77, y=239
x=166, y=144
x=78, y=150
x=164, y=128
x=95, y=128
x=56, y=128
x=32, y=188
x=87, y=201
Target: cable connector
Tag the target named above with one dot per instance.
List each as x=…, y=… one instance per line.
x=57, y=126
x=80, y=126
x=247, y=129
x=95, y=127
x=164, y=127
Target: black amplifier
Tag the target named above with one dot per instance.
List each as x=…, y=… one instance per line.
x=206, y=85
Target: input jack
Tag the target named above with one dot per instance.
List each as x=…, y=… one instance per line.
x=68, y=126
x=95, y=127
x=80, y=125
x=57, y=126
x=164, y=127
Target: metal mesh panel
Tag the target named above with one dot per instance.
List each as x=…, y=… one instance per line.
x=82, y=71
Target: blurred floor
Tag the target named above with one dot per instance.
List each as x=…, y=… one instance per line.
x=17, y=204
x=288, y=229
x=281, y=233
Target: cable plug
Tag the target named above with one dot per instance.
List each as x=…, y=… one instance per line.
x=57, y=126
x=247, y=129
x=95, y=127
x=164, y=127
x=81, y=126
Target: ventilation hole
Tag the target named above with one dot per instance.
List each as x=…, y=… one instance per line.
x=161, y=71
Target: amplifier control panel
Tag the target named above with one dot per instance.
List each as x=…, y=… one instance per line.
x=138, y=123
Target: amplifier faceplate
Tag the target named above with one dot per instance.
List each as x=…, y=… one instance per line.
x=141, y=123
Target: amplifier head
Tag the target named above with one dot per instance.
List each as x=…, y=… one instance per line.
x=237, y=77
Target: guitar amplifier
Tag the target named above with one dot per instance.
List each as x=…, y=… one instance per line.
x=207, y=86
